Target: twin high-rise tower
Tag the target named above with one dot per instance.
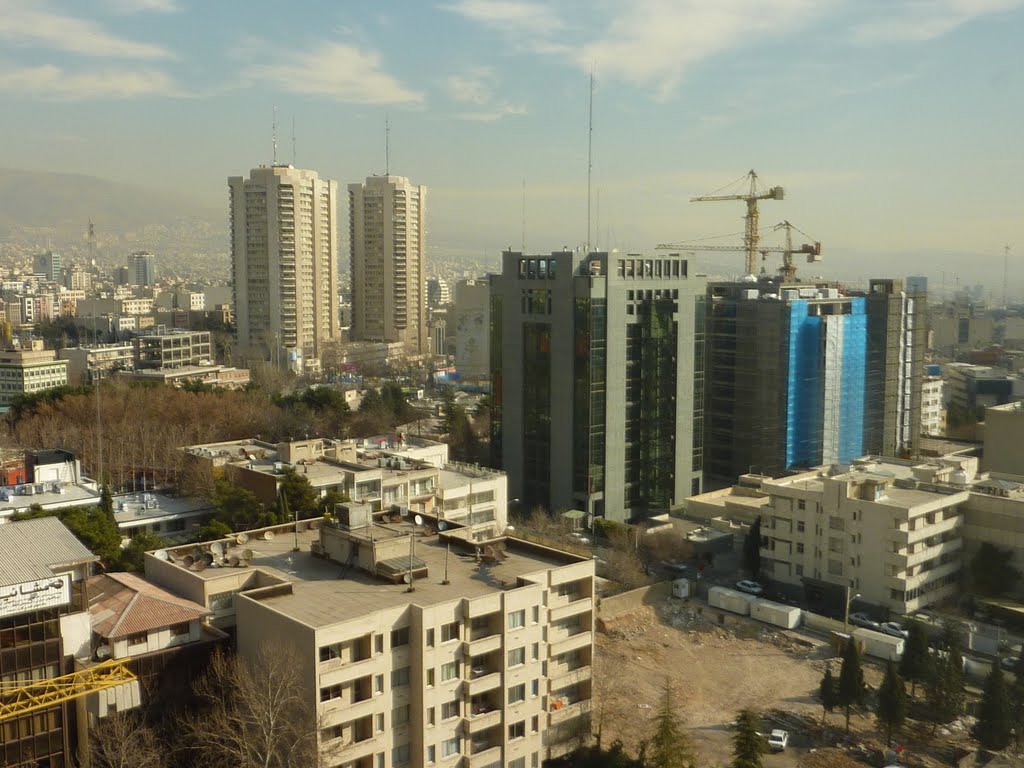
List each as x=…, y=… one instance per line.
x=284, y=258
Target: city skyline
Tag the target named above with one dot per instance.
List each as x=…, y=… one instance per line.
x=889, y=125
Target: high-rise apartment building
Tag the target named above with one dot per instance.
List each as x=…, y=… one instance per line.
x=48, y=264
x=284, y=262
x=387, y=238
x=143, y=269
x=804, y=374
x=598, y=378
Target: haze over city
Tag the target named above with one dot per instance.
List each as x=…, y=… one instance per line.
x=891, y=125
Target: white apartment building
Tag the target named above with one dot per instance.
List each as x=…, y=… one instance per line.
x=284, y=262
x=933, y=414
x=29, y=371
x=388, y=258
x=890, y=537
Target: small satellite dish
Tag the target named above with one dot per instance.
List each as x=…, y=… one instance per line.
x=161, y=554
x=187, y=561
x=268, y=535
x=241, y=538
x=103, y=652
x=233, y=561
x=207, y=558
x=442, y=526
x=418, y=519
x=217, y=548
x=197, y=552
x=200, y=565
x=247, y=554
x=407, y=578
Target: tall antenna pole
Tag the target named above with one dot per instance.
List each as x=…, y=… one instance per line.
x=273, y=136
x=293, y=142
x=590, y=152
x=523, y=246
x=387, y=145
x=597, y=220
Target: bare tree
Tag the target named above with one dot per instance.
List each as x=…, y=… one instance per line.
x=123, y=740
x=253, y=713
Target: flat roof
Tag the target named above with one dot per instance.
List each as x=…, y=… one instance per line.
x=69, y=496
x=133, y=507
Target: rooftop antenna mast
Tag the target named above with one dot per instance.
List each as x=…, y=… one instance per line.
x=590, y=152
x=273, y=136
x=387, y=145
x=293, y=142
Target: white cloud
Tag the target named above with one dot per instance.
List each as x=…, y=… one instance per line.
x=512, y=16
x=30, y=24
x=339, y=71
x=52, y=83
x=473, y=87
x=654, y=43
x=925, y=20
x=493, y=114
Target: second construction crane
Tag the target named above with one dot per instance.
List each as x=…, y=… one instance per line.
x=751, y=198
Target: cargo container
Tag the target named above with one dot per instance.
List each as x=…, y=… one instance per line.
x=880, y=645
x=730, y=600
x=776, y=614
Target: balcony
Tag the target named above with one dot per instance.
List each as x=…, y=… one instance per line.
x=563, y=675
x=563, y=640
x=486, y=717
x=487, y=758
x=570, y=608
x=482, y=645
x=484, y=683
x=569, y=710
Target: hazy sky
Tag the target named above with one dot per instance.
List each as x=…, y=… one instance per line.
x=894, y=125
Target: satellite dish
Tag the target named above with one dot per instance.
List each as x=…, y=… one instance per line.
x=407, y=578
x=200, y=565
x=418, y=519
x=442, y=526
x=207, y=559
x=197, y=552
x=103, y=652
x=161, y=554
x=217, y=548
x=188, y=560
x=268, y=535
x=247, y=554
x=233, y=561
x=241, y=538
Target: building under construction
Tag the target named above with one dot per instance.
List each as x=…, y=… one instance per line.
x=802, y=374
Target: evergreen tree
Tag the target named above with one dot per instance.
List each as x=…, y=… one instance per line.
x=851, y=680
x=892, y=702
x=1017, y=701
x=669, y=746
x=748, y=744
x=828, y=692
x=916, y=660
x=944, y=687
x=300, y=496
x=752, y=549
x=995, y=725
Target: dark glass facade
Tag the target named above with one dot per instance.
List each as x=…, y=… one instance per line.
x=589, y=361
x=536, y=414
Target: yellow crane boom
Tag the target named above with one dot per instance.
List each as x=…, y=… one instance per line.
x=20, y=699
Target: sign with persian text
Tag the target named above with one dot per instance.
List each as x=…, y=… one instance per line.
x=35, y=595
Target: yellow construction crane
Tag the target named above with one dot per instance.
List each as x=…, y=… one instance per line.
x=21, y=698
x=788, y=269
x=750, y=236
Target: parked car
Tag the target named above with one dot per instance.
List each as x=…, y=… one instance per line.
x=750, y=587
x=865, y=621
x=777, y=740
x=675, y=566
x=894, y=629
x=1009, y=663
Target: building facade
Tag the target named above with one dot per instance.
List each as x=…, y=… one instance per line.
x=284, y=262
x=387, y=237
x=29, y=371
x=933, y=414
x=173, y=350
x=143, y=269
x=48, y=264
x=598, y=377
x=472, y=317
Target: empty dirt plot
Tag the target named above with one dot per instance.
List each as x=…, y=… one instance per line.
x=715, y=671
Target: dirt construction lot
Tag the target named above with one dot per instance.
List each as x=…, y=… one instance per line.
x=714, y=670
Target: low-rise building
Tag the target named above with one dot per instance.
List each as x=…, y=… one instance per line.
x=1004, y=439
x=933, y=414
x=175, y=349
x=87, y=364
x=225, y=377
x=28, y=371
x=175, y=519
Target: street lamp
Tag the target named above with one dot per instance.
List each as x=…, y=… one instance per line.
x=846, y=610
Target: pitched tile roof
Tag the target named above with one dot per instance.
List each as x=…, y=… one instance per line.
x=122, y=604
x=33, y=549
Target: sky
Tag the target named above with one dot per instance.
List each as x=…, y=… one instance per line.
x=893, y=125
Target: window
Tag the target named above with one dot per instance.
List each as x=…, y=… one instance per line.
x=799, y=570
x=139, y=638
x=801, y=504
x=450, y=632
x=399, y=677
x=519, y=762
x=450, y=709
x=379, y=721
x=517, y=730
x=450, y=747
x=400, y=715
x=378, y=643
x=430, y=716
x=449, y=671
x=177, y=630
x=400, y=755
x=517, y=693
x=330, y=692
x=534, y=760
x=516, y=657
x=332, y=651
x=430, y=638
x=535, y=651
x=334, y=732
x=430, y=677
x=535, y=688
x=535, y=724
x=378, y=684
x=800, y=526
x=431, y=754
x=535, y=616
x=517, y=619
x=399, y=637
x=799, y=548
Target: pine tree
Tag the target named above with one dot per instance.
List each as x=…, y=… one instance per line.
x=1017, y=701
x=892, y=702
x=944, y=688
x=994, y=729
x=669, y=747
x=915, y=662
x=828, y=693
x=851, y=680
x=748, y=744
